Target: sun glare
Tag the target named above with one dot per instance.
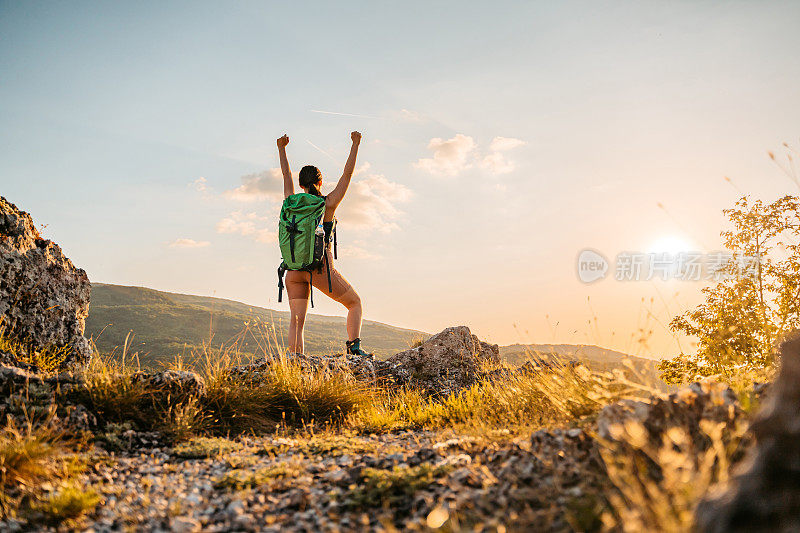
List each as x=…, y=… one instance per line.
x=671, y=244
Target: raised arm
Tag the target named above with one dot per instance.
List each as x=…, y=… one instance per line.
x=338, y=192
x=288, y=184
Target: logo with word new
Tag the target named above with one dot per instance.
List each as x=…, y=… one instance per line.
x=592, y=266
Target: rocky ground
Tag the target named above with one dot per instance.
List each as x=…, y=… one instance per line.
x=411, y=480
x=547, y=480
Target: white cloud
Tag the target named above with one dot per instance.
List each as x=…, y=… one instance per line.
x=372, y=203
x=360, y=169
x=502, y=144
x=496, y=161
x=450, y=157
x=188, y=243
x=267, y=185
x=249, y=225
x=201, y=185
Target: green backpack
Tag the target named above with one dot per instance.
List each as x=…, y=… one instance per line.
x=303, y=237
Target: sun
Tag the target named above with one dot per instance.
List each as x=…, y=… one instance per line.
x=671, y=244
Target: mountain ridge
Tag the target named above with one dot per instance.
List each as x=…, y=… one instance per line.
x=164, y=325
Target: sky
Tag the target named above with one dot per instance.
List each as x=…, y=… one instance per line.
x=500, y=139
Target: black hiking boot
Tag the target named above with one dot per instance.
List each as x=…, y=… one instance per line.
x=354, y=348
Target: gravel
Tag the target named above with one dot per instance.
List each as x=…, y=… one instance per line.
x=321, y=484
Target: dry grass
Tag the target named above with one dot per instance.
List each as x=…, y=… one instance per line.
x=114, y=395
x=280, y=394
x=29, y=457
x=557, y=395
x=48, y=360
x=659, y=487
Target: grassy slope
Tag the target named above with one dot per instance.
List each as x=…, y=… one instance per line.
x=166, y=324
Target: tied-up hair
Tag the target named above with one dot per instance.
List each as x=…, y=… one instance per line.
x=309, y=177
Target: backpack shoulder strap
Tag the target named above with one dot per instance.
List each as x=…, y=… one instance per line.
x=281, y=272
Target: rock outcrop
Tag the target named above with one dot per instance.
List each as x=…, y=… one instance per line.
x=447, y=362
x=44, y=299
x=709, y=401
x=32, y=397
x=765, y=496
x=444, y=364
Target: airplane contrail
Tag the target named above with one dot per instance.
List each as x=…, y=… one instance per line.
x=320, y=149
x=342, y=114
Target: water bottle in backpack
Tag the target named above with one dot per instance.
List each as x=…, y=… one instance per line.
x=319, y=244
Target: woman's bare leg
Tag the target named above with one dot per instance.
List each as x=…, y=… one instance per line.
x=297, y=289
x=345, y=294
x=352, y=302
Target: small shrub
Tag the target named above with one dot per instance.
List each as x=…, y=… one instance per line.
x=113, y=438
x=68, y=504
x=742, y=378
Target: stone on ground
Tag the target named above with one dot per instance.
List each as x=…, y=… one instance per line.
x=447, y=362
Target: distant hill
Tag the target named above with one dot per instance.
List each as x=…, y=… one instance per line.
x=594, y=357
x=165, y=324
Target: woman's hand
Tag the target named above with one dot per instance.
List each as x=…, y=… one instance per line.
x=355, y=136
x=283, y=141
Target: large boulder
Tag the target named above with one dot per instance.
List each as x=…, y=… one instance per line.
x=44, y=299
x=765, y=496
x=446, y=363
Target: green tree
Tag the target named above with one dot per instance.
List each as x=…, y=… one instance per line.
x=755, y=303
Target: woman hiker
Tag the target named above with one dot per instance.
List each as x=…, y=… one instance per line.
x=331, y=282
